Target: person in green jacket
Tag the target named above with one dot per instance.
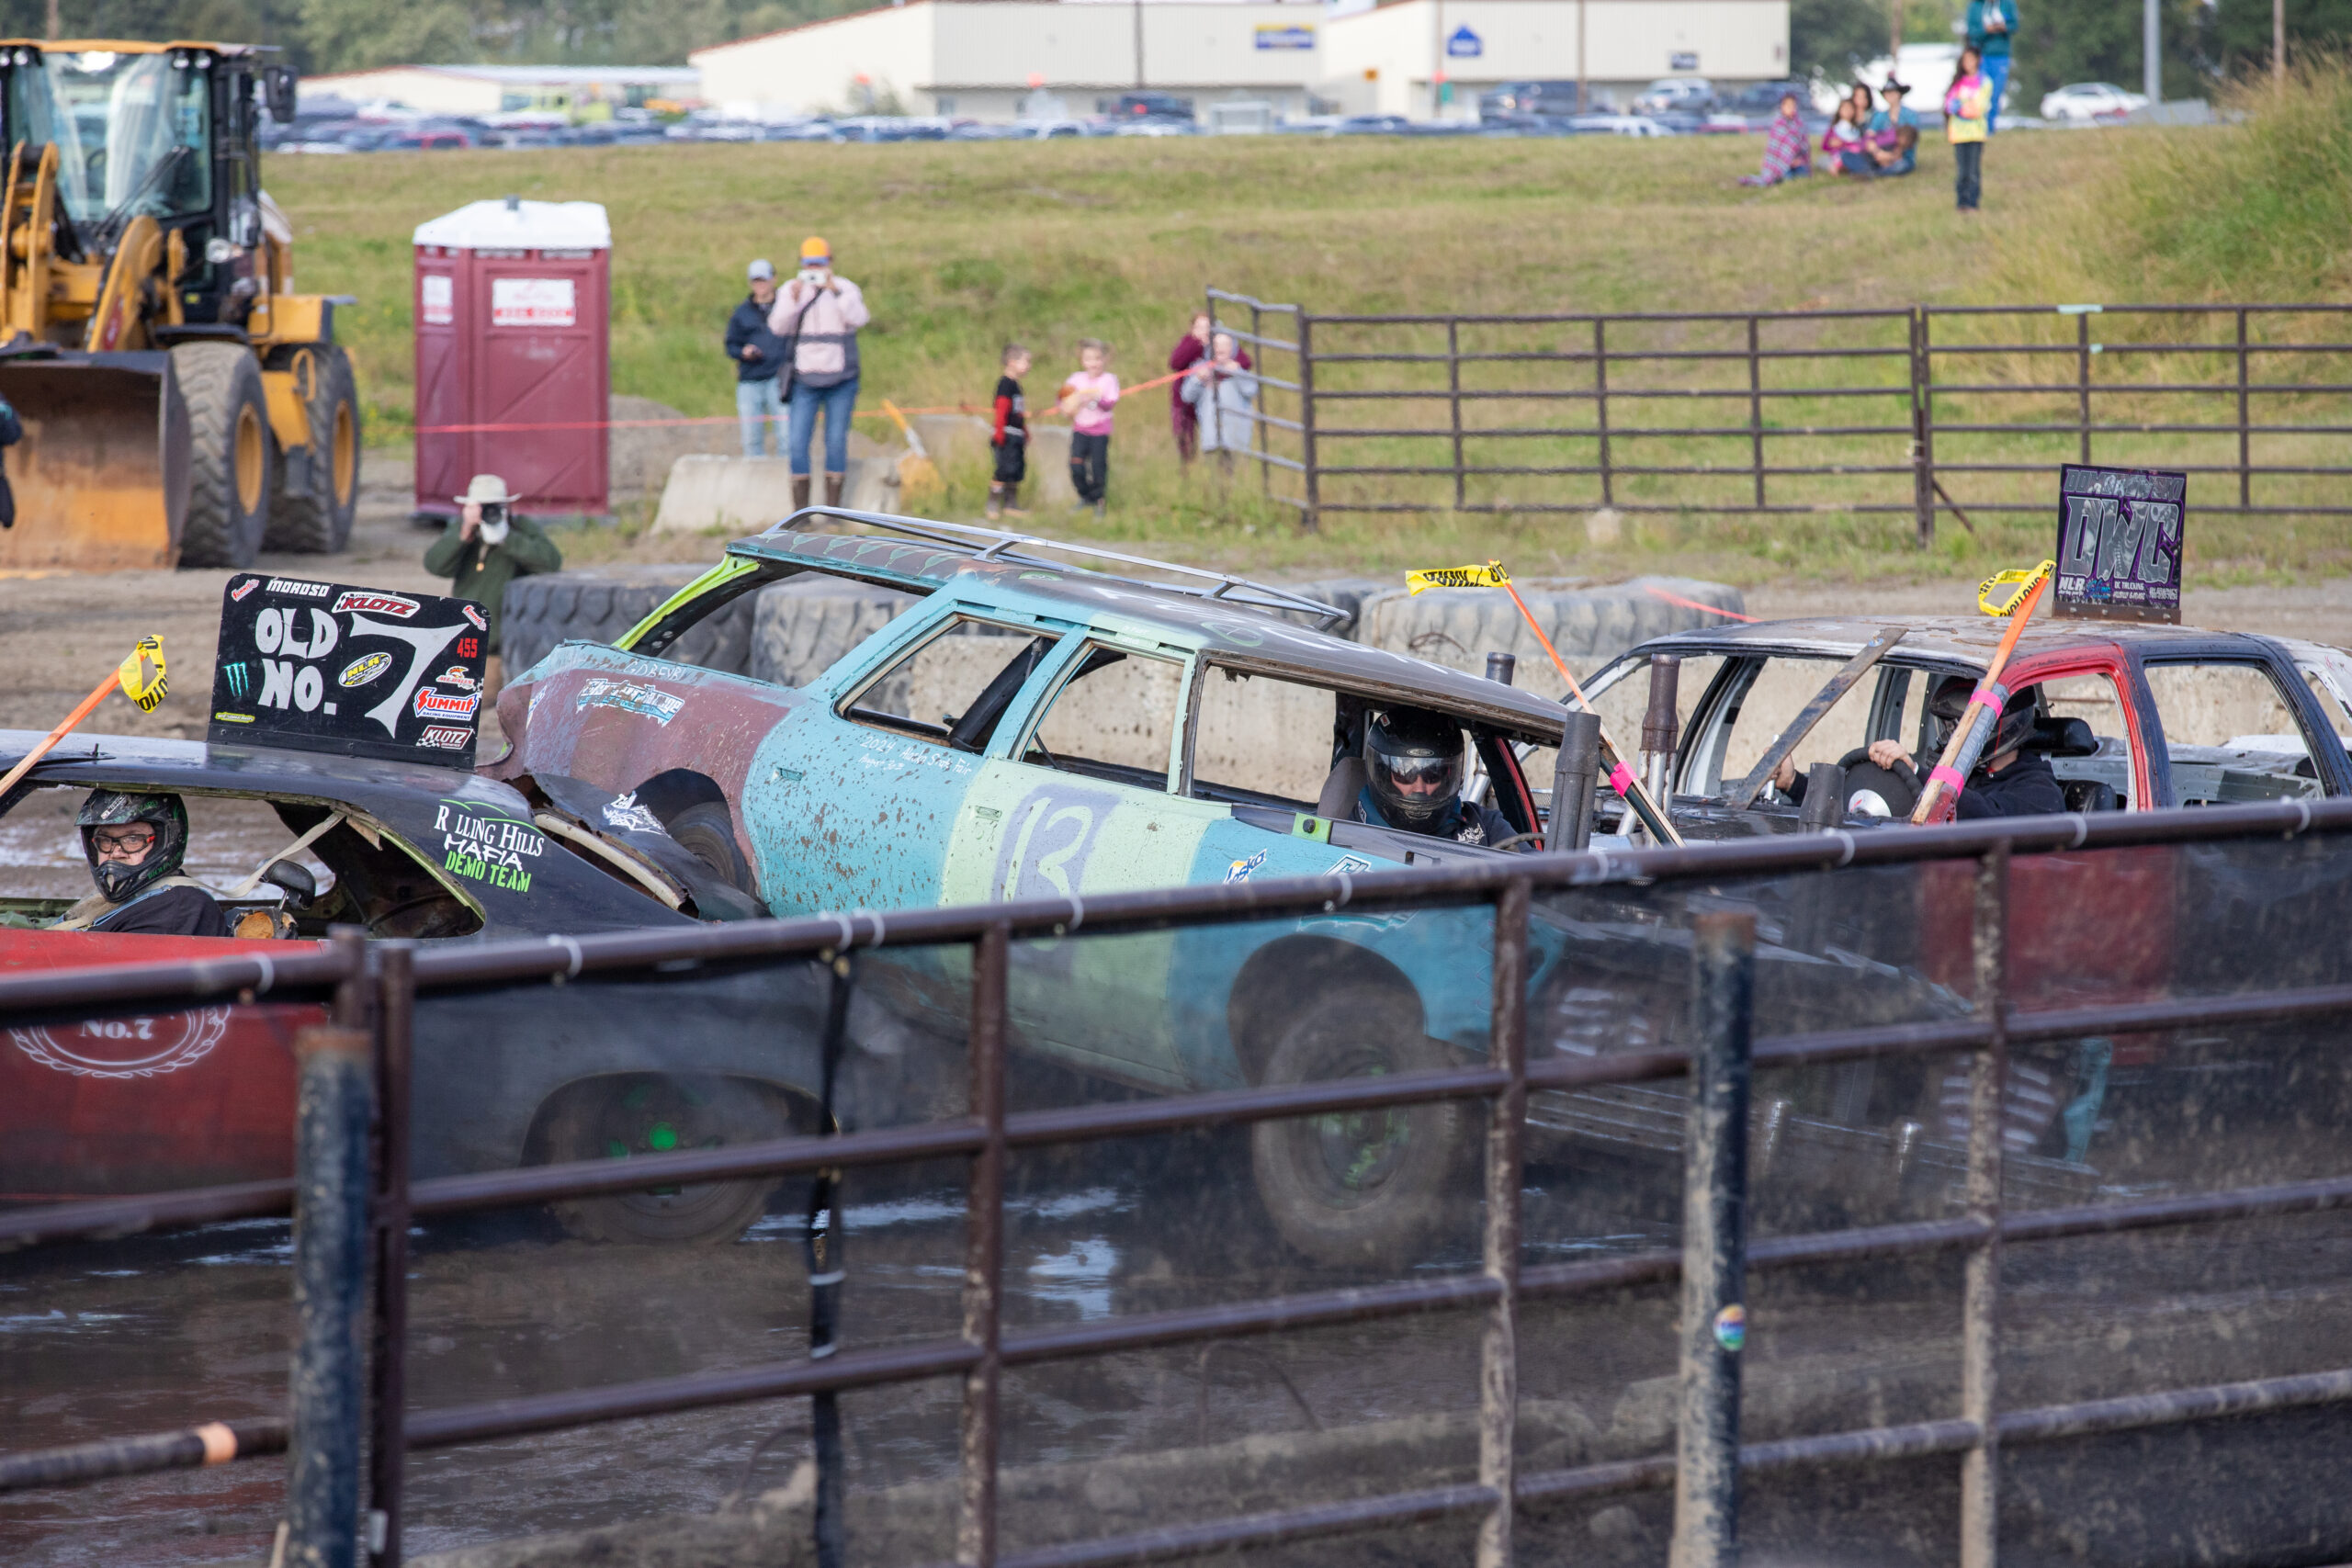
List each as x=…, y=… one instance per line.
x=488, y=545
x=1992, y=26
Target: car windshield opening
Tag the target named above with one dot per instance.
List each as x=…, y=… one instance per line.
x=954, y=687
x=131, y=131
x=2231, y=734
x=1263, y=740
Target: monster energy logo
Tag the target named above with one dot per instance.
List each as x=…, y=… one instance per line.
x=239, y=682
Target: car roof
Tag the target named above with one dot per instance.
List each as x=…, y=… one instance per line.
x=1956, y=639
x=253, y=770
x=1232, y=632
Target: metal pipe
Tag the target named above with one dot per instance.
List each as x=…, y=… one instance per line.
x=331, y=1117
x=1310, y=476
x=983, y=1259
x=213, y=1442
x=1824, y=807
x=826, y=1271
x=1659, y=723
x=1506, y=1134
x=1573, y=778
x=1714, y=1243
x=388, y=1359
x=1980, y=1500
x=1502, y=667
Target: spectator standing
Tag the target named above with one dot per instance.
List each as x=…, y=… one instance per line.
x=1089, y=397
x=1788, y=150
x=817, y=316
x=1992, y=24
x=1190, y=350
x=1223, y=395
x=1895, y=134
x=758, y=354
x=1010, y=438
x=486, y=546
x=1967, y=115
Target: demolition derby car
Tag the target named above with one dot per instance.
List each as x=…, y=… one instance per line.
x=343, y=723
x=1028, y=729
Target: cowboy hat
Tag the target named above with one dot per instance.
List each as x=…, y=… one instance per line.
x=489, y=490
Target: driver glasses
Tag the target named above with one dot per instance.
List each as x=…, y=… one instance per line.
x=1418, y=769
x=122, y=840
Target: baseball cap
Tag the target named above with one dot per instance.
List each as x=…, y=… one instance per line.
x=763, y=269
x=814, y=249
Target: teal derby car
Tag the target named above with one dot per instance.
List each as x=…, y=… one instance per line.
x=1025, y=728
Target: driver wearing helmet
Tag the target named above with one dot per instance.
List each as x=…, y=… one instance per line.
x=1413, y=768
x=2009, y=782
x=133, y=843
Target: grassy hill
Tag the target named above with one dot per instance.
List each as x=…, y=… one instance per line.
x=961, y=246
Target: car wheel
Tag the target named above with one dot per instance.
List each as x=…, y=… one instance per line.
x=1366, y=1186
x=708, y=833
x=645, y=1113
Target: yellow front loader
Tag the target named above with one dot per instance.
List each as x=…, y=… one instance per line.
x=181, y=403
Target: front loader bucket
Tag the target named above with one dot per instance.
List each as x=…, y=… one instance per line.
x=101, y=478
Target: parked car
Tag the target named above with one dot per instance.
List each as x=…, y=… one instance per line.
x=2081, y=103
x=1131, y=108
x=1514, y=100
x=1621, y=125
x=1029, y=730
x=1370, y=125
x=1687, y=94
x=1756, y=106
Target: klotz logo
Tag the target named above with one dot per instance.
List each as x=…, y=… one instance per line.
x=126, y=1047
x=446, y=737
x=376, y=603
x=247, y=586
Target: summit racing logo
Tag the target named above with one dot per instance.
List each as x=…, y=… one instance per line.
x=430, y=702
x=372, y=603
x=126, y=1047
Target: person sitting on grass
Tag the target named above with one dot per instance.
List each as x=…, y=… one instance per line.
x=1843, y=147
x=1895, y=134
x=1788, y=151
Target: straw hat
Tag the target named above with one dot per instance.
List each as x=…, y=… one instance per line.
x=489, y=490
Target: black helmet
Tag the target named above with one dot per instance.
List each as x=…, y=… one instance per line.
x=1949, y=700
x=1416, y=745
x=112, y=808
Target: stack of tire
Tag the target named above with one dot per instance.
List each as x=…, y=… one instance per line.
x=787, y=633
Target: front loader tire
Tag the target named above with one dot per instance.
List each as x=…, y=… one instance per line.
x=316, y=520
x=231, y=454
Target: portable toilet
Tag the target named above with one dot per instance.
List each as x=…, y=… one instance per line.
x=513, y=354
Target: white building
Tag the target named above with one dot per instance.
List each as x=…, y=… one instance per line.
x=480, y=90
x=981, y=58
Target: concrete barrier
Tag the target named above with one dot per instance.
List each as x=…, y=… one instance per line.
x=743, y=495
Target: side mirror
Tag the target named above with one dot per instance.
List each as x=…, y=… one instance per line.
x=295, y=880
x=277, y=90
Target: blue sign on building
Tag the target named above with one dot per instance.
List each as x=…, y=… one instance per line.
x=1464, y=44
x=1293, y=36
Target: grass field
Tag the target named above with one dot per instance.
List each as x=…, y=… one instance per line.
x=959, y=247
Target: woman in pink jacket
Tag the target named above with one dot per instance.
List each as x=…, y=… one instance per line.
x=817, y=315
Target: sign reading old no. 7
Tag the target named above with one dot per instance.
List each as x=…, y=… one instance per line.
x=2120, y=543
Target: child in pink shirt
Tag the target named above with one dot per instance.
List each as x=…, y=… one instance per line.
x=1088, y=398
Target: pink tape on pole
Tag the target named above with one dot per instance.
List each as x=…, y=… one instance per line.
x=1621, y=779
x=1943, y=776
x=1992, y=694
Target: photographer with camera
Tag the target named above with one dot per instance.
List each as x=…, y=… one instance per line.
x=488, y=545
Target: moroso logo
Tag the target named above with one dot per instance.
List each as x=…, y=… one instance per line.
x=429, y=702
x=366, y=668
x=126, y=1047
x=297, y=586
x=377, y=604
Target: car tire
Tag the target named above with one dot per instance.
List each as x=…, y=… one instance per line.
x=231, y=455
x=317, y=519
x=708, y=833
x=1361, y=1188
x=602, y=603
x=643, y=1113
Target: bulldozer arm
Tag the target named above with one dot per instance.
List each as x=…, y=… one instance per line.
x=101, y=478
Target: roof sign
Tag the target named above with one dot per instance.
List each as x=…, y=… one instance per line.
x=356, y=672
x=1464, y=44
x=2120, y=538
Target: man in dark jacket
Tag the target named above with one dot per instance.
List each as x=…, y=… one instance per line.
x=134, y=844
x=489, y=545
x=758, y=354
x=2009, y=781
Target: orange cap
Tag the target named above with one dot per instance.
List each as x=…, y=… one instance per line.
x=814, y=249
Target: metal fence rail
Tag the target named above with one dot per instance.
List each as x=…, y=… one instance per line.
x=1797, y=412
x=376, y=986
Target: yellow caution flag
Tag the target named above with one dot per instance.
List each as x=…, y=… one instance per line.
x=142, y=674
x=2000, y=593
x=1490, y=575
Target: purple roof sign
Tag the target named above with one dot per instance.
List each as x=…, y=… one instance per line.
x=2119, y=543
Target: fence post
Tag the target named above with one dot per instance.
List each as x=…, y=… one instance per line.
x=1923, y=449
x=1715, y=1244
x=1601, y=404
x=1575, y=775
x=1306, y=420
x=1506, y=1130
x=388, y=1392
x=332, y=1124
x=2245, y=443
x=1454, y=399
x=1755, y=403
x=1261, y=443
x=2083, y=377
x=1980, y=1499
x=983, y=1255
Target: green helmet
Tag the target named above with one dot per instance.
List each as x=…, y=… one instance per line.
x=113, y=809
